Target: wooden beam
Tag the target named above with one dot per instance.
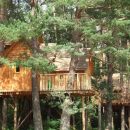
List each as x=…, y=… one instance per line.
x=113, y=122
x=99, y=117
x=15, y=112
x=83, y=114
x=4, y=114
x=123, y=118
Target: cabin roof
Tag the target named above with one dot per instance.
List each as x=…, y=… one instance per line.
x=16, y=50
x=62, y=60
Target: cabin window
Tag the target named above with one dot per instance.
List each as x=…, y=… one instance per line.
x=17, y=69
x=75, y=77
x=61, y=76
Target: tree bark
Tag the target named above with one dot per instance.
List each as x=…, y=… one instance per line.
x=129, y=117
x=76, y=38
x=122, y=118
x=99, y=117
x=65, y=116
x=3, y=14
x=83, y=114
x=37, y=119
x=65, y=125
x=71, y=78
x=4, y=114
x=110, y=91
x=109, y=116
x=73, y=120
x=3, y=10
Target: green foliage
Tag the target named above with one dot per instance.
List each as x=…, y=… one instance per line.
x=39, y=64
x=58, y=22
x=18, y=30
x=4, y=60
x=52, y=124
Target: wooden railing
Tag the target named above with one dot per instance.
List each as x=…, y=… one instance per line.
x=58, y=82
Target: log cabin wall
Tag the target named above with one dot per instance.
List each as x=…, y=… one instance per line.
x=15, y=79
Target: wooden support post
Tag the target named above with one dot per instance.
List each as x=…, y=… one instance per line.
x=112, y=122
x=83, y=114
x=15, y=112
x=129, y=117
x=123, y=118
x=4, y=114
x=86, y=114
x=99, y=117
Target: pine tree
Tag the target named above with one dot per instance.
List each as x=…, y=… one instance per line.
x=102, y=25
x=3, y=17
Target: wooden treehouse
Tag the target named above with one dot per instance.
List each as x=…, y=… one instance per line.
x=120, y=103
x=122, y=93
x=17, y=79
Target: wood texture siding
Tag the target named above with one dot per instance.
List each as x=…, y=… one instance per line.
x=12, y=81
x=58, y=82
x=19, y=80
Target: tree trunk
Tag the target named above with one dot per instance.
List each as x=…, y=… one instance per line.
x=37, y=118
x=83, y=114
x=3, y=13
x=65, y=116
x=122, y=118
x=4, y=114
x=65, y=125
x=129, y=117
x=76, y=37
x=3, y=10
x=109, y=116
x=99, y=117
x=110, y=91
x=36, y=104
x=73, y=120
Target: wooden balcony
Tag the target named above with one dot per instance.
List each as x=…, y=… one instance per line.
x=58, y=82
x=13, y=82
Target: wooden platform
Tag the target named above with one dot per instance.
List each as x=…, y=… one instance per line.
x=20, y=83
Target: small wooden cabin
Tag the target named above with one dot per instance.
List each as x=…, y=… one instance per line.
x=122, y=93
x=15, y=79
x=18, y=79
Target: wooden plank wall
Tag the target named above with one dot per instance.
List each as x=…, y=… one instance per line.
x=12, y=81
